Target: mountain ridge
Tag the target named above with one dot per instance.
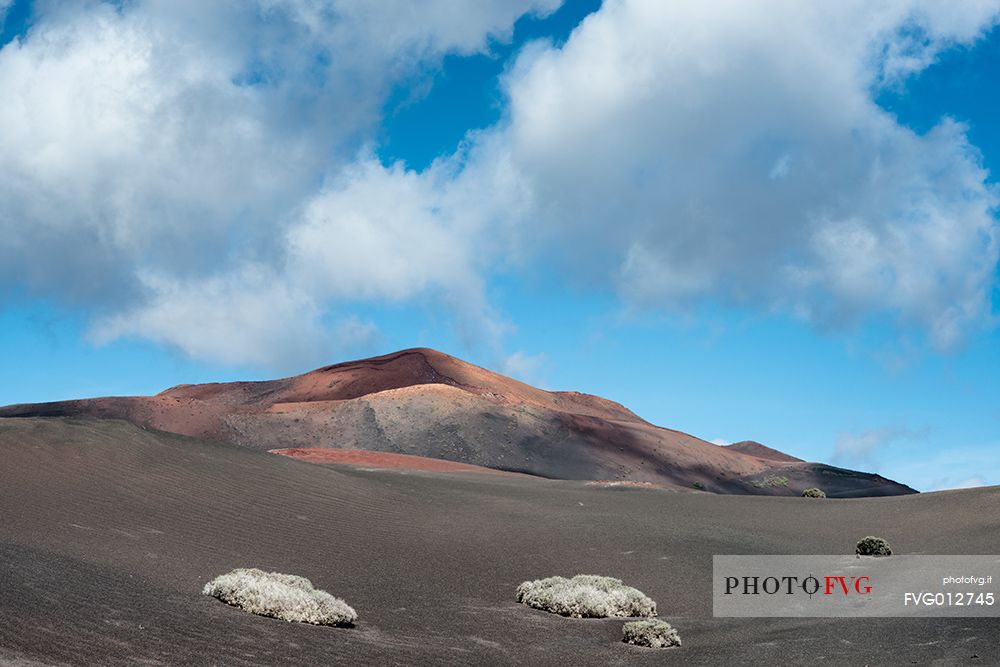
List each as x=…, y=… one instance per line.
x=422, y=402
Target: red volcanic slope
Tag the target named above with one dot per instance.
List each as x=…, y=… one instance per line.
x=762, y=451
x=408, y=368
x=425, y=403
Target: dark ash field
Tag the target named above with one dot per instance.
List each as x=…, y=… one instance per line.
x=110, y=531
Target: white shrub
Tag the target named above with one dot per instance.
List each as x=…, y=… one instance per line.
x=653, y=633
x=585, y=596
x=277, y=595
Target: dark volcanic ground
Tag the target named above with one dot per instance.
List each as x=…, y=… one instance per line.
x=109, y=532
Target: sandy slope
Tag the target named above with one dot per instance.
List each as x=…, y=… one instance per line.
x=110, y=531
x=424, y=403
x=761, y=451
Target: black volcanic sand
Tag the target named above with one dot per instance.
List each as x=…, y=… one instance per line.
x=109, y=532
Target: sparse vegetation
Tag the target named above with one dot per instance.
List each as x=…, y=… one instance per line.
x=585, y=596
x=622, y=483
x=653, y=633
x=814, y=493
x=873, y=546
x=840, y=473
x=284, y=596
x=698, y=485
x=771, y=480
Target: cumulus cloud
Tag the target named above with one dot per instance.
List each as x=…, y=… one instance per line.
x=185, y=165
x=246, y=316
x=382, y=233
x=734, y=151
x=154, y=156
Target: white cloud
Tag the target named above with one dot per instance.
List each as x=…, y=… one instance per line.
x=401, y=26
x=734, y=151
x=720, y=442
x=154, y=156
x=168, y=165
x=389, y=234
x=245, y=317
x=381, y=233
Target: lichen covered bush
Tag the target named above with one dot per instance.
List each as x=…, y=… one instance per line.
x=814, y=493
x=873, y=546
x=653, y=633
x=585, y=596
x=283, y=596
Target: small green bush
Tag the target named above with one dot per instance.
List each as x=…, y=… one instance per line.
x=698, y=485
x=814, y=493
x=284, y=596
x=652, y=633
x=585, y=596
x=873, y=546
x=771, y=480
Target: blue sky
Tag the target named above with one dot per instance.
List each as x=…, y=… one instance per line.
x=740, y=231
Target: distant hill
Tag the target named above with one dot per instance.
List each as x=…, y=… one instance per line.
x=761, y=451
x=425, y=403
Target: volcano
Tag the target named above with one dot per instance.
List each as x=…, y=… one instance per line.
x=421, y=402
